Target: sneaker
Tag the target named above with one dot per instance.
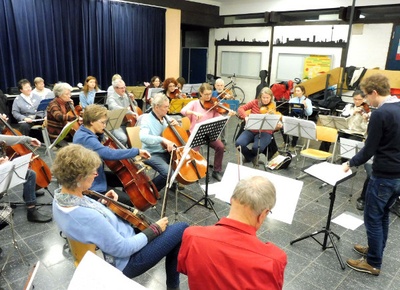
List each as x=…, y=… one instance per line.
x=360, y=203
x=360, y=249
x=217, y=175
x=361, y=265
x=39, y=193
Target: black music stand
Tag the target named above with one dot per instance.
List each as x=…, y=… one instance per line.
x=204, y=133
x=328, y=173
x=260, y=122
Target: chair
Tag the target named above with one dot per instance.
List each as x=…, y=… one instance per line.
x=322, y=134
x=78, y=250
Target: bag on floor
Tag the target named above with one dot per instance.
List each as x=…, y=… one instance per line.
x=281, y=161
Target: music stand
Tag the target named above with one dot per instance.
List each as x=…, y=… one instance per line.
x=333, y=175
x=203, y=133
x=260, y=122
x=115, y=118
x=12, y=174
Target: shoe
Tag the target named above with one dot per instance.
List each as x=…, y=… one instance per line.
x=396, y=208
x=361, y=265
x=181, y=186
x=39, y=193
x=36, y=217
x=217, y=175
x=360, y=249
x=360, y=203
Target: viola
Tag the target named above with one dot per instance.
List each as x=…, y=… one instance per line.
x=127, y=213
x=140, y=189
x=194, y=166
x=43, y=173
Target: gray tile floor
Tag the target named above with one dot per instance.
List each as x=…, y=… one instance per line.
x=308, y=266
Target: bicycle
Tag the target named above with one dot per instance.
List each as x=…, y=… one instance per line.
x=237, y=92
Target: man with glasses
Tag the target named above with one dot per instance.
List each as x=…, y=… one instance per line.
x=383, y=143
x=117, y=100
x=91, y=135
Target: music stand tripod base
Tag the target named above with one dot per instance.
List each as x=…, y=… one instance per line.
x=326, y=231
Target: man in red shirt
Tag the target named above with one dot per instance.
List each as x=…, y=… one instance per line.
x=229, y=255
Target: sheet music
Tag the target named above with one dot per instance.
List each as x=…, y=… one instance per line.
x=64, y=132
x=287, y=189
x=349, y=148
x=299, y=127
x=328, y=172
x=13, y=173
x=262, y=122
x=339, y=123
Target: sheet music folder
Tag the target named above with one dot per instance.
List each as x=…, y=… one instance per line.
x=262, y=122
x=330, y=173
x=43, y=105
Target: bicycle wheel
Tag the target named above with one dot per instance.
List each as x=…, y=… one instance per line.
x=238, y=94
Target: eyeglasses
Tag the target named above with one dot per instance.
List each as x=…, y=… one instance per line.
x=121, y=87
x=103, y=122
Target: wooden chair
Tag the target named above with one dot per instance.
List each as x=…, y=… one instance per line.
x=78, y=250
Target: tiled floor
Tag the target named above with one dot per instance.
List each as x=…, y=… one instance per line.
x=308, y=266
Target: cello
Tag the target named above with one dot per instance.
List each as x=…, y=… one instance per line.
x=75, y=112
x=194, y=166
x=140, y=189
x=43, y=173
x=131, y=119
x=127, y=213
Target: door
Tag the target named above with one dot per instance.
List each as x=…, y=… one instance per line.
x=194, y=65
x=393, y=61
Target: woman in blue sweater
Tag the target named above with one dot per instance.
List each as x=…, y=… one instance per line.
x=88, y=221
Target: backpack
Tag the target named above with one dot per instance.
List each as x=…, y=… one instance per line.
x=282, y=90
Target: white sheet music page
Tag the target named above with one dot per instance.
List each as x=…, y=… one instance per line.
x=328, y=172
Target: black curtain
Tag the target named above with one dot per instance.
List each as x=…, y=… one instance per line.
x=68, y=40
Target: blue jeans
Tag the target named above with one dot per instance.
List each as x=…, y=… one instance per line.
x=160, y=163
x=381, y=194
x=247, y=137
x=120, y=134
x=166, y=245
x=29, y=188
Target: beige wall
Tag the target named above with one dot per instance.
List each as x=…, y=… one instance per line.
x=172, y=43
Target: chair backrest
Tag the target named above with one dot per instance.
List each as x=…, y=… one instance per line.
x=78, y=250
x=186, y=123
x=133, y=137
x=327, y=134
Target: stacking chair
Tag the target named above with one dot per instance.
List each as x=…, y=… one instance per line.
x=322, y=134
x=78, y=250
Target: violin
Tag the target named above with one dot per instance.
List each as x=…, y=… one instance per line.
x=194, y=166
x=140, y=189
x=127, y=213
x=43, y=173
x=215, y=104
x=177, y=94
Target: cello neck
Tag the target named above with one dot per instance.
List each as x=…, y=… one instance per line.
x=175, y=131
x=16, y=134
x=114, y=139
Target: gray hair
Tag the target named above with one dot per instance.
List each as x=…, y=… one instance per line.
x=38, y=80
x=60, y=88
x=117, y=82
x=159, y=99
x=257, y=192
x=219, y=81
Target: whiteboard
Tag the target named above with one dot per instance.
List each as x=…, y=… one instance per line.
x=290, y=66
x=242, y=64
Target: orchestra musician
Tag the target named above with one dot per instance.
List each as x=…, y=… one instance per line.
x=25, y=106
x=60, y=111
x=88, y=221
x=197, y=113
x=28, y=191
x=118, y=100
x=151, y=128
x=86, y=97
x=171, y=90
x=263, y=104
x=222, y=94
x=91, y=135
x=41, y=90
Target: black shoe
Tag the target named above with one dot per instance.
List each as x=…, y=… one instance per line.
x=396, y=208
x=360, y=203
x=39, y=193
x=217, y=175
x=36, y=217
